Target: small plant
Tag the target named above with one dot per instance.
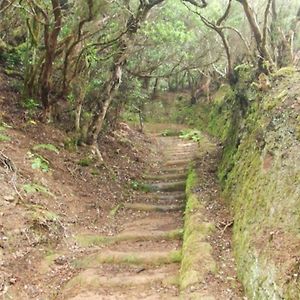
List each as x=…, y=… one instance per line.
x=191, y=134
x=85, y=162
x=39, y=162
x=71, y=144
x=48, y=147
x=31, y=188
x=139, y=186
x=30, y=104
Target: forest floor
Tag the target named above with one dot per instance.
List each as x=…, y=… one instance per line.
x=75, y=229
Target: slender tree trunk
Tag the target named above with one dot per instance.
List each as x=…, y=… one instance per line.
x=112, y=84
x=155, y=87
x=50, y=39
x=260, y=38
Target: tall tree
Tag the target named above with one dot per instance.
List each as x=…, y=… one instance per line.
x=112, y=84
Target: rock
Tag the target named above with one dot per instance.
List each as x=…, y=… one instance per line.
x=61, y=260
x=9, y=198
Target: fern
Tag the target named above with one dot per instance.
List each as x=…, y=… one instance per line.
x=48, y=147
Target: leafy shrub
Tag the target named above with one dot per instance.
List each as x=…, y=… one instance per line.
x=191, y=134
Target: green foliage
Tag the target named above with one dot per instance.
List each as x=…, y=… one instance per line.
x=39, y=162
x=14, y=57
x=48, y=147
x=191, y=134
x=71, y=144
x=86, y=161
x=31, y=188
x=4, y=138
x=31, y=104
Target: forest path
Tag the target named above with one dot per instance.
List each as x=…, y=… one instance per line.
x=143, y=260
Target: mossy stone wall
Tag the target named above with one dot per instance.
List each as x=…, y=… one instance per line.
x=260, y=174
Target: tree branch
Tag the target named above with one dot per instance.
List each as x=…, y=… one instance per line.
x=196, y=3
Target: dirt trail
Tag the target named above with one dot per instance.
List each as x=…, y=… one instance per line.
x=143, y=260
x=143, y=245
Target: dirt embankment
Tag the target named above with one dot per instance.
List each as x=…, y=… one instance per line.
x=50, y=190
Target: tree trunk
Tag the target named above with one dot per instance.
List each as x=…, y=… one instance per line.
x=260, y=40
x=112, y=84
x=155, y=87
x=50, y=44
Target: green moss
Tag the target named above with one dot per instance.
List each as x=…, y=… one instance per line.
x=86, y=161
x=115, y=210
x=170, y=132
x=285, y=72
x=191, y=181
x=197, y=260
x=92, y=240
x=271, y=102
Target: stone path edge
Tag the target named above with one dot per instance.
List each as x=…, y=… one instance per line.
x=197, y=260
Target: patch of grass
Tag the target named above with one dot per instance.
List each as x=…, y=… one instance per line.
x=30, y=188
x=86, y=161
x=48, y=147
x=115, y=210
x=71, y=144
x=285, y=72
x=4, y=138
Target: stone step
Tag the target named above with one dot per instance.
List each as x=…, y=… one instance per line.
x=174, y=169
x=89, y=240
x=179, y=162
x=163, y=198
x=126, y=283
x=151, y=207
x=165, y=186
x=165, y=177
x=148, y=258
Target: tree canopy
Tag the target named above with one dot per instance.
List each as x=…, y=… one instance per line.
x=77, y=55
